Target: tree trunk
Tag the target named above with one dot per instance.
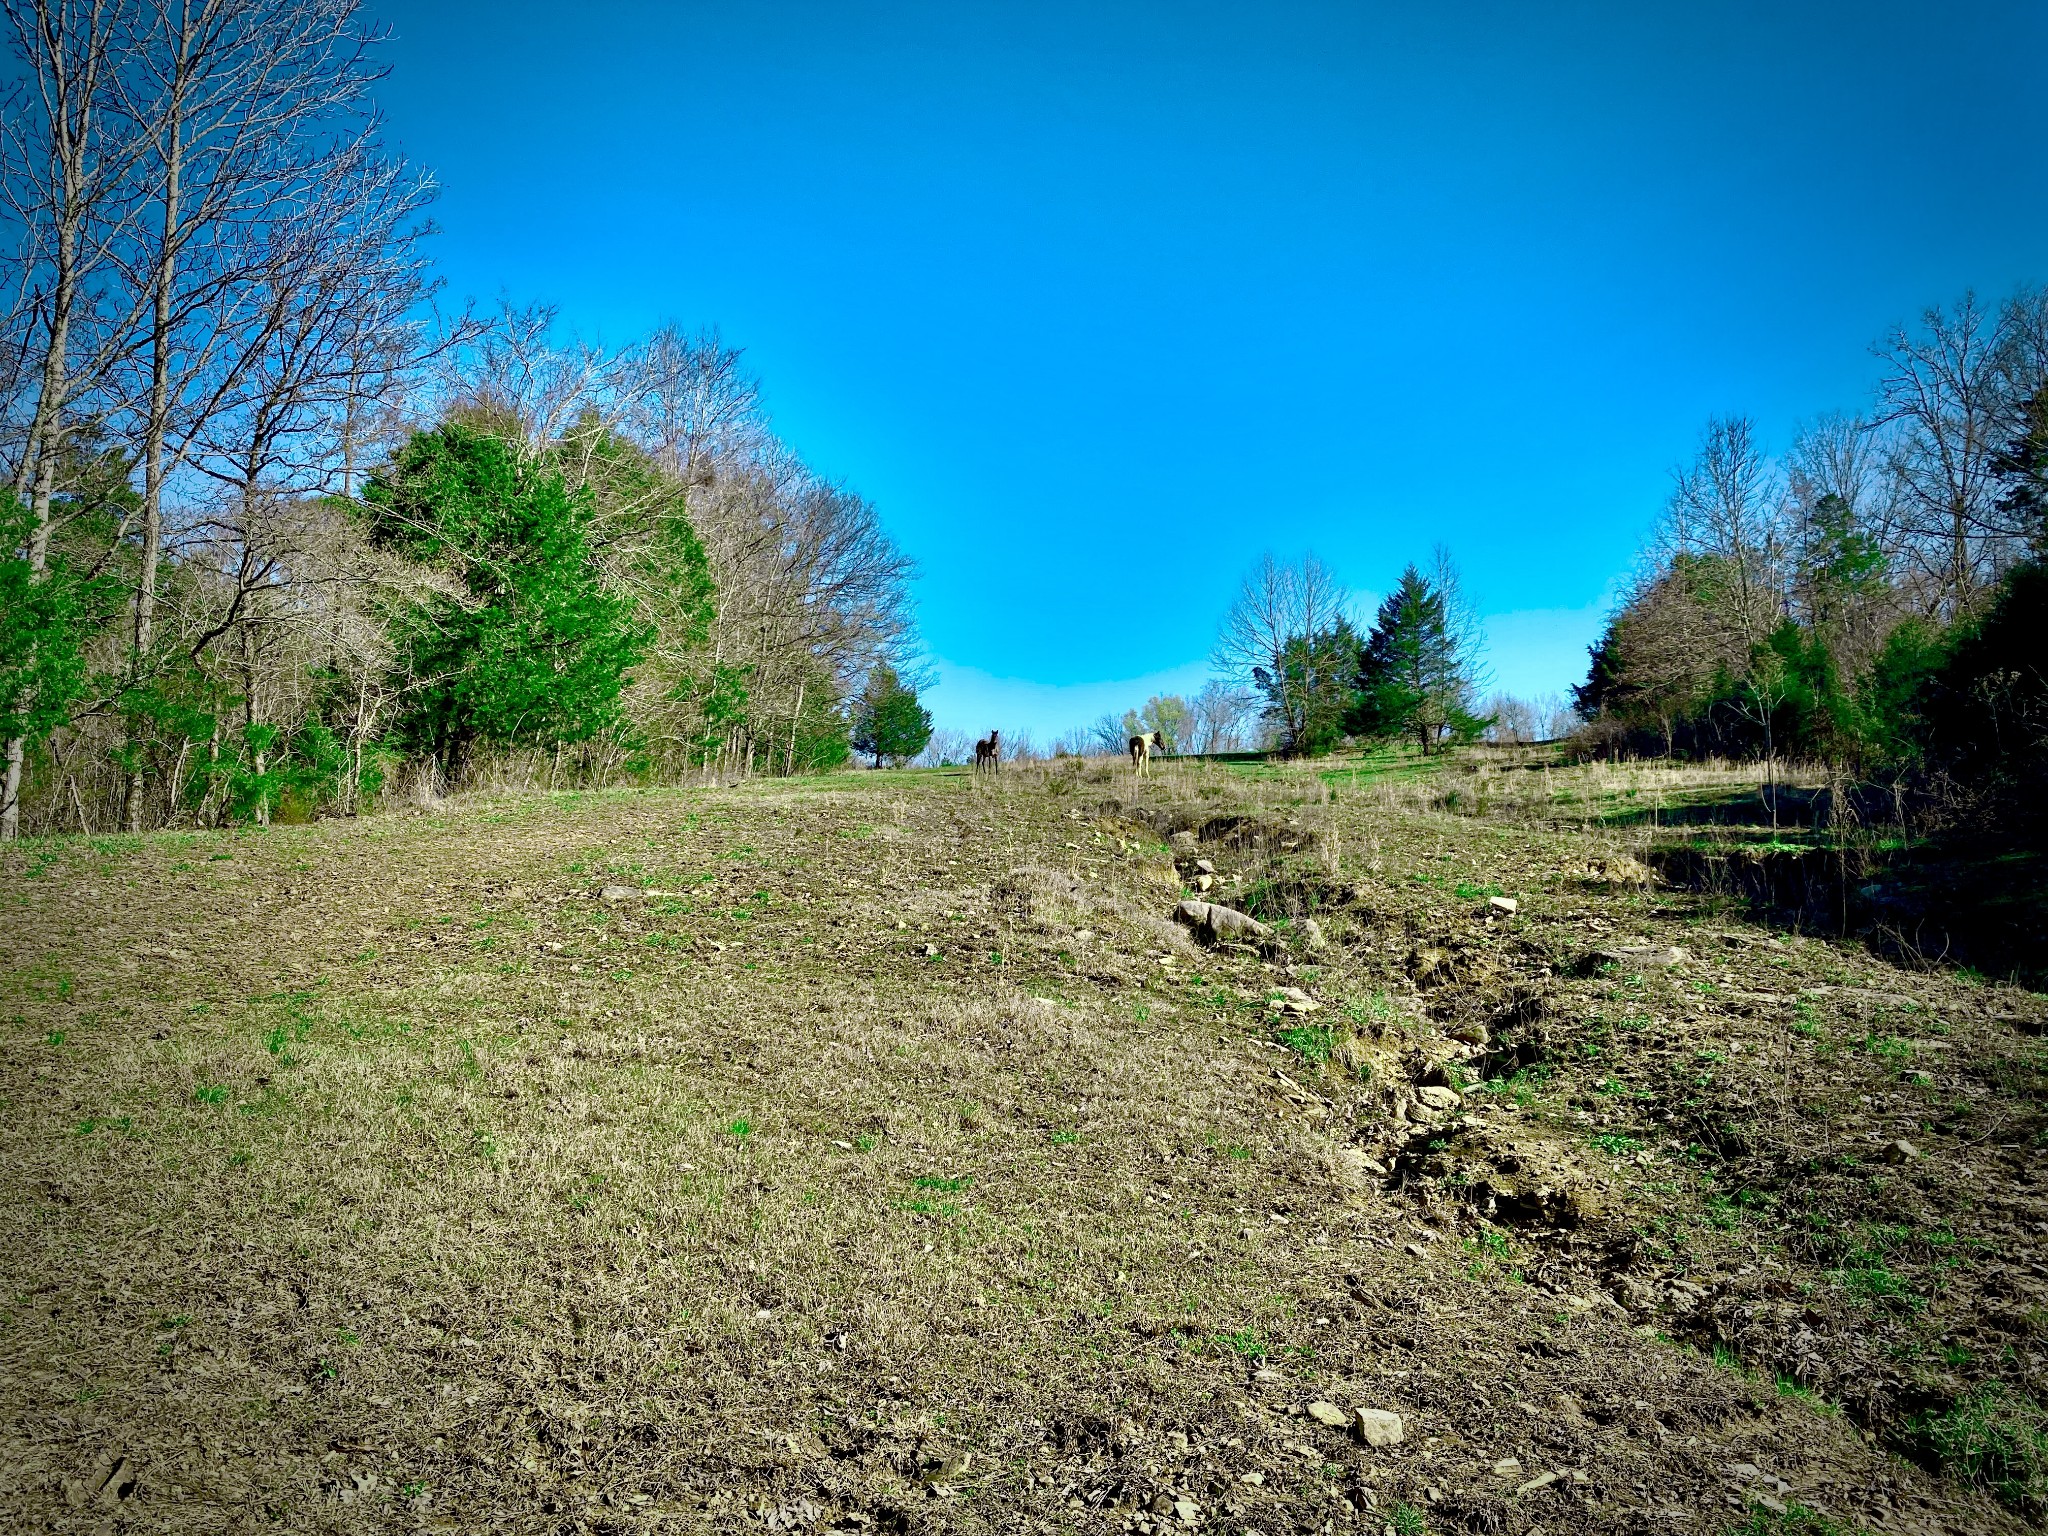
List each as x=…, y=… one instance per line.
x=156, y=430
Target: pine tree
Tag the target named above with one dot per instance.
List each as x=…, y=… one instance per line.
x=1413, y=678
x=535, y=652
x=888, y=722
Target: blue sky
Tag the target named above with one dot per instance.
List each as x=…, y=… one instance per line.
x=1098, y=302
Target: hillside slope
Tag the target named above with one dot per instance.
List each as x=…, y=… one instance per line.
x=874, y=1154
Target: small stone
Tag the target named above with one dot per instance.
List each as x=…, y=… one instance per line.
x=1330, y=1414
x=1377, y=1426
x=1312, y=935
x=1507, y=1466
x=1204, y=883
x=1413, y=1250
x=1420, y=1113
x=1254, y=1478
x=1186, y=842
x=931, y=951
x=1189, y=1511
x=1204, y=867
x=1265, y=1375
x=1540, y=1480
x=1437, y=1097
x=1901, y=1151
x=619, y=892
x=1505, y=906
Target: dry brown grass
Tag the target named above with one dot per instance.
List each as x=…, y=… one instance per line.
x=901, y=1167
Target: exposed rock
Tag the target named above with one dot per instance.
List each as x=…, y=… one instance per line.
x=1204, y=867
x=1632, y=957
x=1901, y=1151
x=1620, y=870
x=1429, y=964
x=1502, y=906
x=619, y=892
x=1540, y=1480
x=1295, y=1001
x=1312, y=935
x=1376, y=1426
x=1186, y=842
x=1328, y=1413
x=1213, y=922
x=1437, y=1097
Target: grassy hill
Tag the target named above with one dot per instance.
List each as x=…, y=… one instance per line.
x=875, y=1154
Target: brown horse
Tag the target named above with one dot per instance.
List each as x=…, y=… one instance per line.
x=1142, y=748
x=988, y=753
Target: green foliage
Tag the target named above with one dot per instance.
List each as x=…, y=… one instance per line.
x=1996, y=1438
x=1983, y=711
x=888, y=722
x=2022, y=469
x=533, y=651
x=1311, y=1042
x=1310, y=693
x=46, y=622
x=1412, y=680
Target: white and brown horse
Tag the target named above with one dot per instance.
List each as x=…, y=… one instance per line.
x=1142, y=748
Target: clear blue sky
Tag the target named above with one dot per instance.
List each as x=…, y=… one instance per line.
x=1099, y=301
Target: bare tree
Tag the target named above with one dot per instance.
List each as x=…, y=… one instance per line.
x=67, y=162
x=1280, y=609
x=1219, y=715
x=1947, y=399
x=255, y=108
x=1726, y=507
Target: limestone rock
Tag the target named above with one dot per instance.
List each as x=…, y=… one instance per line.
x=1377, y=1427
x=1502, y=906
x=1294, y=1001
x=619, y=892
x=1440, y=1098
x=1214, y=923
x=1330, y=1414
x=1632, y=957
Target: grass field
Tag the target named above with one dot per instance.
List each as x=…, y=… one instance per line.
x=875, y=1154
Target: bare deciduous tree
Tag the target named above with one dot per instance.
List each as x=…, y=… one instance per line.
x=1279, y=607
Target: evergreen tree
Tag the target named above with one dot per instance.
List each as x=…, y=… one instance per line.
x=1413, y=678
x=533, y=651
x=888, y=722
x=1309, y=693
x=2022, y=470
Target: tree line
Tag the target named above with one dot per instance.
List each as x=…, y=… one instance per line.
x=1871, y=599
x=1296, y=676
x=282, y=533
